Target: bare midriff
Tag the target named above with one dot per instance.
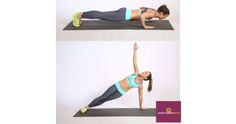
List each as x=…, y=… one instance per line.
x=135, y=15
x=124, y=84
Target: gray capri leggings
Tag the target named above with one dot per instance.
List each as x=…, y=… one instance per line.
x=114, y=16
x=110, y=94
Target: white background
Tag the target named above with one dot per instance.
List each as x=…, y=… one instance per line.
x=66, y=8
x=28, y=59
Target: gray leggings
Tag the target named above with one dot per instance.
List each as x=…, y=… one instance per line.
x=113, y=16
x=110, y=94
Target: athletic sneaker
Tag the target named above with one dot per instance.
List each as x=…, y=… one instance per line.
x=83, y=110
x=76, y=19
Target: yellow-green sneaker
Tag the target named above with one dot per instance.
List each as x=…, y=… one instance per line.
x=83, y=110
x=76, y=19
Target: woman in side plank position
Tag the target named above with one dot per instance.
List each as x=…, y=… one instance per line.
x=115, y=91
x=124, y=14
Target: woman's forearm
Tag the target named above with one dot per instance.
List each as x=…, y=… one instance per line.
x=142, y=20
x=140, y=102
x=140, y=95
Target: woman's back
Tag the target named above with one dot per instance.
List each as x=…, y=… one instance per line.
x=149, y=13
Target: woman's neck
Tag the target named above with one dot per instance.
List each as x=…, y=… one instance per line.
x=157, y=15
x=140, y=77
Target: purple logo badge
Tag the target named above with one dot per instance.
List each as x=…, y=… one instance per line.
x=168, y=111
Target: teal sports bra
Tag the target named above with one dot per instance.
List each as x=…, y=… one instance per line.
x=131, y=81
x=128, y=14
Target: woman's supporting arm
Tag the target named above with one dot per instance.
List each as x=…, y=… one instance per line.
x=142, y=20
x=140, y=94
x=136, y=70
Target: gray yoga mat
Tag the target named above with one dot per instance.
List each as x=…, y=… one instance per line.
x=151, y=112
x=123, y=25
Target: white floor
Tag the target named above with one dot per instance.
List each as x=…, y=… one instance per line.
x=118, y=35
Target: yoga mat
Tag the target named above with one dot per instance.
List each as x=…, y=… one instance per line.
x=151, y=112
x=123, y=25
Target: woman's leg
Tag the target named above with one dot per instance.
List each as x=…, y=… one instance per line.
x=110, y=94
x=118, y=15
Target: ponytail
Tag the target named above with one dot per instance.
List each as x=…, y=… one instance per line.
x=150, y=85
x=150, y=82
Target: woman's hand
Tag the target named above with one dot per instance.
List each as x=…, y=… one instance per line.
x=149, y=27
x=141, y=109
x=135, y=46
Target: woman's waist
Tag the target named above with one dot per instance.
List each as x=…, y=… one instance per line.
x=125, y=84
x=135, y=14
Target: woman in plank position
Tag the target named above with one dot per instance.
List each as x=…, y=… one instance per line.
x=115, y=91
x=124, y=14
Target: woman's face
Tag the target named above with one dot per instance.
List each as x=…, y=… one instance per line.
x=162, y=16
x=145, y=74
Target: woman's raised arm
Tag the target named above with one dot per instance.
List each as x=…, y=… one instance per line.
x=136, y=70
